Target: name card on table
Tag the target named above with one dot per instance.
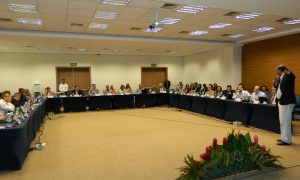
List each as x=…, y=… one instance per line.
x=109, y=94
x=63, y=96
x=50, y=96
x=238, y=100
x=97, y=94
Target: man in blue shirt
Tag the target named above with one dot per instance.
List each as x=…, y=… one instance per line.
x=257, y=94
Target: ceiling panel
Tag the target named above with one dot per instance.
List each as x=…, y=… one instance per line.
x=57, y=15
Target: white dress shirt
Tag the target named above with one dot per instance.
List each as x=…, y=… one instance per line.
x=242, y=94
x=279, y=93
x=63, y=87
x=6, y=107
x=255, y=96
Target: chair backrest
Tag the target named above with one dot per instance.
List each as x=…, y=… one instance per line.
x=298, y=99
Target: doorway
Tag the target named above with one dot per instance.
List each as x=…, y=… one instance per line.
x=80, y=76
x=153, y=76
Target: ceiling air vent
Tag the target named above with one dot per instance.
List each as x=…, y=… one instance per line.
x=70, y=47
x=170, y=6
x=282, y=20
x=76, y=24
x=5, y=20
x=136, y=29
x=184, y=32
x=232, y=13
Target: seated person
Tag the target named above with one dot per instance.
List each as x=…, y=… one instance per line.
x=265, y=90
x=106, y=90
x=112, y=89
x=27, y=93
x=272, y=100
x=5, y=104
x=241, y=93
x=48, y=92
x=122, y=89
x=23, y=96
x=257, y=93
x=187, y=89
x=179, y=87
x=140, y=89
x=161, y=88
x=16, y=100
x=128, y=88
x=198, y=89
x=218, y=92
x=77, y=91
x=210, y=92
x=155, y=89
x=93, y=90
x=228, y=92
x=204, y=89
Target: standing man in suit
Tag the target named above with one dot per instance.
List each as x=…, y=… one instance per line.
x=167, y=84
x=286, y=102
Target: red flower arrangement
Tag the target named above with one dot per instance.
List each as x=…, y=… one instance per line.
x=237, y=153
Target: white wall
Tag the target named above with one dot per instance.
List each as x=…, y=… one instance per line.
x=24, y=69
x=222, y=67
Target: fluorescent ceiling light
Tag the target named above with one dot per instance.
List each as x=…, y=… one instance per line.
x=236, y=36
x=98, y=26
x=106, y=15
x=153, y=30
x=37, y=22
x=290, y=22
x=30, y=8
x=81, y=49
x=219, y=25
x=191, y=9
x=169, y=21
x=263, y=29
x=116, y=2
x=198, y=33
x=248, y=15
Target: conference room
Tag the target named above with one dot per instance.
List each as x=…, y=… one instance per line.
x=149, y=89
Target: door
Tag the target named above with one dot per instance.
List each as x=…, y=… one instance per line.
x=153, y=76
x=80, y=76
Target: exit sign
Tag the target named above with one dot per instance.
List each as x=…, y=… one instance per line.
x=73, y=64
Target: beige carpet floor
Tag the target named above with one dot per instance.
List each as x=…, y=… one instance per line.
x=135, y=144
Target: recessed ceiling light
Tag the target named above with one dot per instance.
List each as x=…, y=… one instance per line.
x=219, y=25
x=98, y=26
x=191, y=9
x=81, y=49
x=248, y=15
x=198, y=33
x=106, y=15
x=263, y=29
x=295, y=21
x=153, y=30
x=116, y=2
x=235, y=36
x=30, y=8
x=169, y=21
x=37, y=22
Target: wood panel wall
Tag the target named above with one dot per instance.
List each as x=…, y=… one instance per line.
x=260, y=60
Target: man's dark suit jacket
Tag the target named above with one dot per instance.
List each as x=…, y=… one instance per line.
x=287, y=87
x=225, y=93
x=80, y=92
x=167, y=84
